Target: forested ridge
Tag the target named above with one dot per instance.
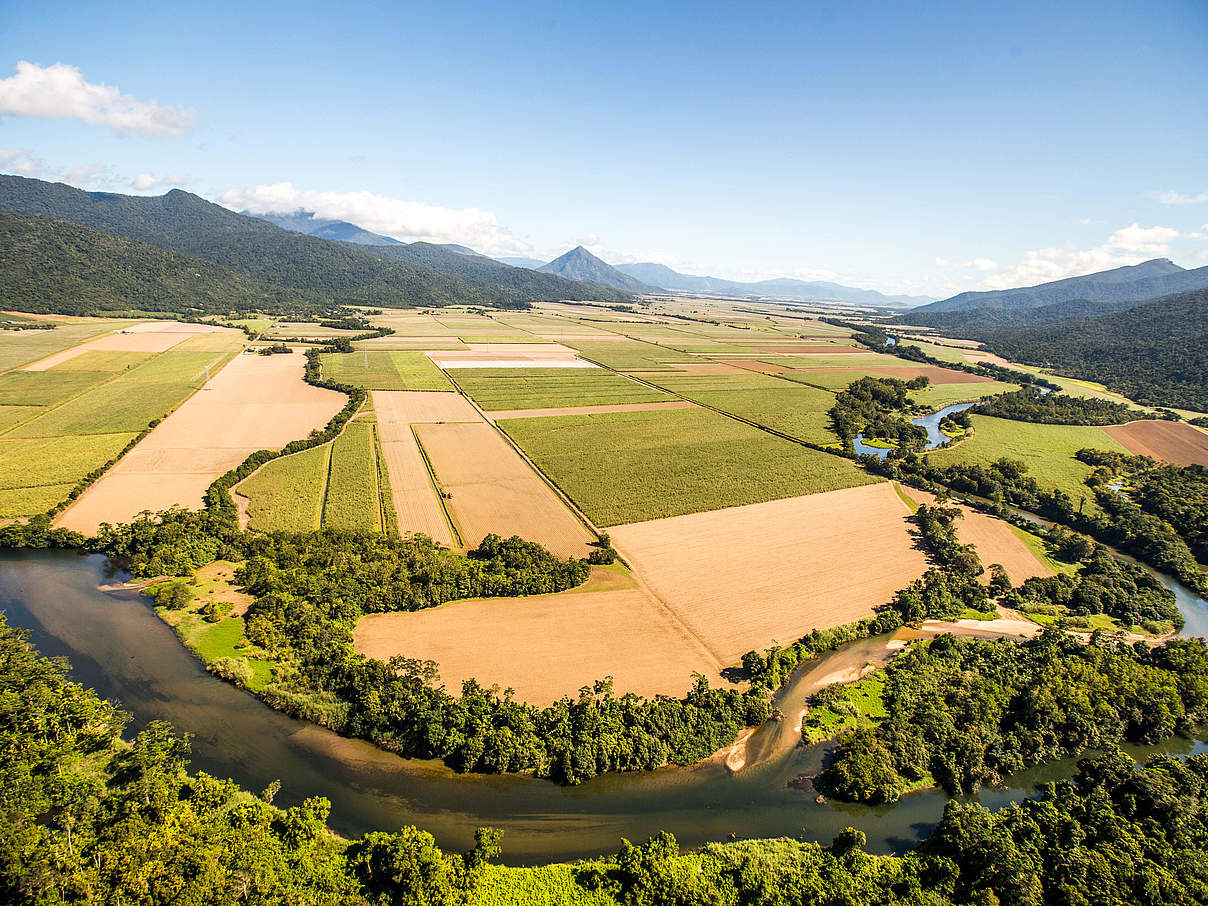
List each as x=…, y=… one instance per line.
x=341, y=273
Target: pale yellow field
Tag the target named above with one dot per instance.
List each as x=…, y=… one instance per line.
x=746, y=577
x=548, y=646
x=148, y=336
x=256, y=402
x=588, y=410
x=495, y=491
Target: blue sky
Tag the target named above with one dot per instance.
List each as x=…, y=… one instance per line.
x=909, y=147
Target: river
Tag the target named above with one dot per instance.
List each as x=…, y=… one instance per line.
x=931, y=423
x=120, y=647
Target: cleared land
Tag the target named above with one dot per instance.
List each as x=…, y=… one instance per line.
x=380, y=369
x=548, y=646
x=1047, y=450
x=493, y=490
x=632, y=466
x=518, y=388
x=1173, y=442
x=416, y=502
x=256, y=402
x=747, y=577
x=996, y=540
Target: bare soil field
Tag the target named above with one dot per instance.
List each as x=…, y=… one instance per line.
x=149, y=336
x=494, y=490
x=589, y=410
x=548, y=646
x=1173, y=442
x=256, y=402
x=748, y=577
x=995, y=540
x=416, y=501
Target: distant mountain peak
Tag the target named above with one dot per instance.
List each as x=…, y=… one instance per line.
x=580, y=264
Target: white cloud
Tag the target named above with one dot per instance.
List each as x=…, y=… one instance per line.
x=19, y=161
x=1179, y=198
x=409, y=220
x=977, y=264
x=1130, y=245
x=88, y=175
x=145, y=182
x=61, y=91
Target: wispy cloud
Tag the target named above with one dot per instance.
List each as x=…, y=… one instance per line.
x=20, y=161
x=60, y=90
x=1180, y=198
x=147, y=182
x=409, y=220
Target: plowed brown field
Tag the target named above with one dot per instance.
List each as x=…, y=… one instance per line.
x=1176, y=443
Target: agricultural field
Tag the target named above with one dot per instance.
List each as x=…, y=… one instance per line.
x=635, y=466
x=1173, y=442
x=630, y=355
x=1048, y=450
x=939, y=395
x=548, y=646
x=73, y=411
x=751, y=576
x=841, y=378
x=353, y=501
x=381, y=369
x=286, y=494
x=255, y=402
x=19, y=348
x=545, y=388
x=491, y=489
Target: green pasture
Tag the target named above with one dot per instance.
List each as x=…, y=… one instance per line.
x=544, y=388
x=384, y=369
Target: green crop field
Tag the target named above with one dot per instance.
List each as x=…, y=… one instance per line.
x=939, y=395
x=110, y=361
x=109, y=408
x=632, y=466
x=286, y=494
x=385, y=369
x=544, y=388
x=32, y=462
x=870, y=360
x=687, y=384
x=23, y=347
x=1048, y=450
x=630, y=355
x=353, y=499
x=45, y=388
x=10, y=415
x=27, y=501
x=800, y=412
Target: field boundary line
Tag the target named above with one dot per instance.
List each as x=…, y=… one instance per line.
x=436, y=486
x=331, y=447
x=549, y=482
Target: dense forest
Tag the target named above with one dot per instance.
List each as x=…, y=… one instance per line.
x=1030, y=405
x=968, y=712
x=1156, y=353
x=52, y=266
x=88, y=817
x=184, y=223
x=872, y=406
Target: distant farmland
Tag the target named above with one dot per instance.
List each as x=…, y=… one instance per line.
x=547, y=388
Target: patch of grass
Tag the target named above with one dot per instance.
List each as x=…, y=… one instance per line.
x=1048, y=451
x=970, y=614
x=286, y=494
x=224, y=639
x=631, y=355
x=31, y=501
x=906, y=498
x=353, y=500
x=45, y=388
x=547, y=885
x=1037, y=546
x=633, y=466
x=385, y=369
x=848, y=707
x=55, y=460
x=544, y=388
x=937, y=396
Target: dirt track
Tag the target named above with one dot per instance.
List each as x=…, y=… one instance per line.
x=256, y=402
x=1173, y=442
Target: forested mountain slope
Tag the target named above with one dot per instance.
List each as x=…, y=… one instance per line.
x=55, y=266
x=185, y=223
x=1156, y=353
x=580, y=264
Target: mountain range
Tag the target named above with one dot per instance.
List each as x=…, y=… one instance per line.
x=580, y=264
x=340, y=272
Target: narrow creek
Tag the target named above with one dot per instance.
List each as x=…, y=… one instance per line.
x=931, y=423
x=118, y=646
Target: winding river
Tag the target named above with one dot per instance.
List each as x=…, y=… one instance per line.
x=118, y=646
x=931, y=423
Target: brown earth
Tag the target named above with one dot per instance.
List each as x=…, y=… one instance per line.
x=995, y=539
x=746, y=577
x=1173, y=442
x=589, y=410
x=152, y=336
x=256, y=402
x=548, y=646
x=494, y=490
